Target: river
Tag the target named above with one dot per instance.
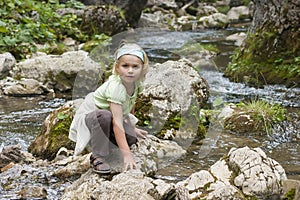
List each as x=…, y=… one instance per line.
x=21, y=117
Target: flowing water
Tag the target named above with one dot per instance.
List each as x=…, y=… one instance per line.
x=21, y=118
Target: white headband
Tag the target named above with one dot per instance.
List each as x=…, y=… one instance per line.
x=130, y=51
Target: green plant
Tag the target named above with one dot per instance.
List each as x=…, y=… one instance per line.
x=263, y=112
x=23, y=24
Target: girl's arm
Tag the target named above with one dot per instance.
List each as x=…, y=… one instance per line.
x=117, y=113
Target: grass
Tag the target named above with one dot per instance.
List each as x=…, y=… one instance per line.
x=263, y=112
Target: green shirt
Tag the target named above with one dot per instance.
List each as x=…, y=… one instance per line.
x=114, y=91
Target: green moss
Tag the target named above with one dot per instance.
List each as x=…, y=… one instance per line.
x=267, y=58
x=223, y=9
x=176, y=120
x=54, y=134
x=59, y=137
x=290, y=195
x=142, y=107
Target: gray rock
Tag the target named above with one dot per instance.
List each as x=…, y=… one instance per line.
x=23, y=87
x=244, y=172
x=61, y=71
x=170, y=88
x=7, y=61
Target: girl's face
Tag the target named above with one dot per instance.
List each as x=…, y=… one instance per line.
x=129, y=67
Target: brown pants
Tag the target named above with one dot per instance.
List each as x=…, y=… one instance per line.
x=99, y=123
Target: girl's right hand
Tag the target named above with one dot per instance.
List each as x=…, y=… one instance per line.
x=129, y=162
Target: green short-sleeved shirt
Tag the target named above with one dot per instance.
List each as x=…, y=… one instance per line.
x=114, y=91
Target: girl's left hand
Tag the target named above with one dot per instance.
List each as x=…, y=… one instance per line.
x=140, y=133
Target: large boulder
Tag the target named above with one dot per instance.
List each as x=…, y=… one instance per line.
x=132, y=9
x=174, y=92
x=54, y=133
x=59, y=72
x=103, y=19
x=244, y=172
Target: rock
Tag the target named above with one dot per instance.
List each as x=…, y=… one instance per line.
x=54, y=133
x=149, y=153
x=206, y=10
x=131, y=9
x=11, y=154
x=226, y=192
x=256, y=174
x=172, y=90
x=236, y=14
x=130, y=185
x=103, y=19
x=60, y=72
x=33, y=192
x=217, y=20
x=238, y=38
x=197, y=180
x=243, y=172
x=23, y=87
x=7, y=62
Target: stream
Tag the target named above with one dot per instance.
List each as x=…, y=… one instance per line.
x=21, y=117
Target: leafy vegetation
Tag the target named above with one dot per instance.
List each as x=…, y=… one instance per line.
x=263, y=113
x=25, y=23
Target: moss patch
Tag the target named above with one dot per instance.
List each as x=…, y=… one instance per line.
x=267, y=58
x=54, y=134
x=175, y=121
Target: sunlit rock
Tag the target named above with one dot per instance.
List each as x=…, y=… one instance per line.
x=173, y=91
x=59, y=72
x=24, y=87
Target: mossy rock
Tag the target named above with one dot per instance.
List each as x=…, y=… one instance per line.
x=175, y=120
x=260, y=62
x=54, y=133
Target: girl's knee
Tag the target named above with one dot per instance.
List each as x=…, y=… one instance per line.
x=104, y=116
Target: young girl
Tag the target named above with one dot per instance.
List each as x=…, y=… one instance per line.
x=106, y=115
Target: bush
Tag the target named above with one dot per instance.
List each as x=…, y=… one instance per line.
x=25, y=23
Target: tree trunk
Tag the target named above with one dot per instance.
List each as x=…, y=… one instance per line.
x=271, y=52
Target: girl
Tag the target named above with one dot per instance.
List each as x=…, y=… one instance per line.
x=106, y=115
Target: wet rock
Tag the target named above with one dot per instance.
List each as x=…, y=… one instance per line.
x=54, y=133
x=11, y=154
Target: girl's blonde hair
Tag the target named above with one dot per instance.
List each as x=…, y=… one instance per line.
x=132, y=47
